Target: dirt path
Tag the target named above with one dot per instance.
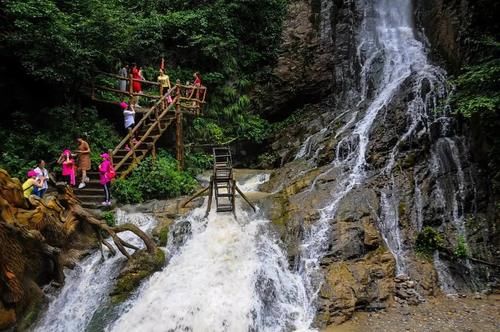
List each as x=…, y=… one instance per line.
x=436, y=315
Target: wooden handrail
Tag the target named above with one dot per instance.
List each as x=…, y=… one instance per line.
x=141, y=121
x=146, y=135
x=123, y=78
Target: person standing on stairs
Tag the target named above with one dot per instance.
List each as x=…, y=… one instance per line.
x=83, y=160
x=123, y=72
x=129, y=122
x=68, y=166
x=165, y=86
x=136, y=85
x=105, y=177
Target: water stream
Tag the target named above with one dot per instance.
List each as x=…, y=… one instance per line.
x=229, y=275
x=89, y=283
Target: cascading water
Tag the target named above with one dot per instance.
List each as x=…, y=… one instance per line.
x=229, y=275
x=393, y=62
x=88, y=285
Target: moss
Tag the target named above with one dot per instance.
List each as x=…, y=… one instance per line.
x=163, y=236
x=139, y=267
x=401, y=209
x=31, y=314
x=410, y=160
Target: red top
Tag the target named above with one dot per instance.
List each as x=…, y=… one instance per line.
x=197, y=81
x=136, y=86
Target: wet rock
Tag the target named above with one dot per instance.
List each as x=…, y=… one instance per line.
x=357, y=204
x=140, y=266
x=353, y=285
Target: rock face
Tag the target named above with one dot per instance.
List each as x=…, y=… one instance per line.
x=433, y=181
x=306, y=72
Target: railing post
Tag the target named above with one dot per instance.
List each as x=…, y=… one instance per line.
x=131, y=89
x=178, y=136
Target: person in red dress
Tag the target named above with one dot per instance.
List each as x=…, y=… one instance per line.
x=136, y=85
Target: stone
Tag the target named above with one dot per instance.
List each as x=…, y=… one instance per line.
x=136, y=269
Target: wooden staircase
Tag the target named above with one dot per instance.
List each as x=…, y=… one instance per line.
x=153, y=123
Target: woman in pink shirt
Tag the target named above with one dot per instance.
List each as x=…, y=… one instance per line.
x=68, y=166
x=105, y=177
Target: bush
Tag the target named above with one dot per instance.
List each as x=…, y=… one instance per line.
x=197, y=162
x=109, y=217
x=154, y=179
x=428, y=241
x=461, y=250
x=125, y=191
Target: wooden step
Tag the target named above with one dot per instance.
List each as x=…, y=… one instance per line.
x=91, y=198
x=90, y=190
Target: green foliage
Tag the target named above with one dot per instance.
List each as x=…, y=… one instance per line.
x=154, y=179
x=125, y=191
x=428, y=241
x=478, y=89
x=109, y=217
x=478, y=86
x=197, y=162
x=461, y=250
x=63, y=41
x=46, y=134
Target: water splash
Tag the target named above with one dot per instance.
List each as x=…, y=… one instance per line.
x=88, y=285
x=230, y=275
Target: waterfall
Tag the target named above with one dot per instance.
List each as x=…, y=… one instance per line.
x=88, y=285
x=392, y=62
x=229, y=275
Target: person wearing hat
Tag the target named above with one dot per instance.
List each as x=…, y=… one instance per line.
x=68, y=166
x=31, y=183
x=105, y=176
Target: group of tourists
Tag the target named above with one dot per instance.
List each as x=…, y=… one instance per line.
x=71, y=168
x=135, y=72
x=37, y=178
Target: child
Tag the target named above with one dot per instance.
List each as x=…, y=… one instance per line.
x=105, y=177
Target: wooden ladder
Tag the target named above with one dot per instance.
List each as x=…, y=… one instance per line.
x=223, y=181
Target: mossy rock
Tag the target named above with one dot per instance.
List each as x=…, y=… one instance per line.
x=140, y=266
x=31, y=309
x=161, y=231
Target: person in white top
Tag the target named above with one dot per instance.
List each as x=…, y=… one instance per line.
x=43, y=177
x=128, y=115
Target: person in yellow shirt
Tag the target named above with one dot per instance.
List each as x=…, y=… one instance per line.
x=31, y=183
x=164, y=81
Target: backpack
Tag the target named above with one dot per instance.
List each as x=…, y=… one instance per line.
x=111, y=172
